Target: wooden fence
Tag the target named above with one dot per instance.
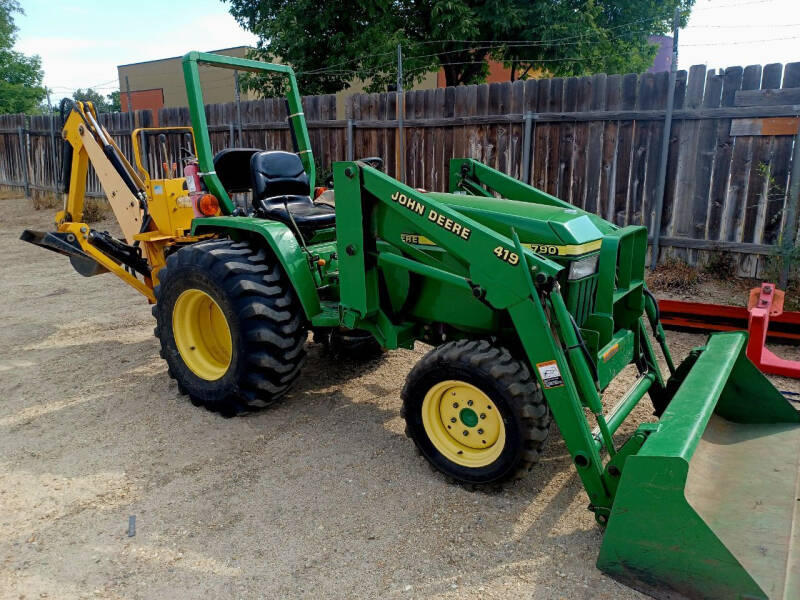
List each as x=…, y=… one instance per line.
x=31, y=149
x=594, y=141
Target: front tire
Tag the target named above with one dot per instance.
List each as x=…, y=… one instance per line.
x=475, y=412
x=231, y=328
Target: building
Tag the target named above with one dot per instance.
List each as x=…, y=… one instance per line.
x=663, y=59
x=155, y=84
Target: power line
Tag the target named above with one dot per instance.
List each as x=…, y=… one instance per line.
x=494, y=43
x=734, y=5
x=770, y=25
x=739, y=42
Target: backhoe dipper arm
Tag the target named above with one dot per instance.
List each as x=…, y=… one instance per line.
x=91, y=143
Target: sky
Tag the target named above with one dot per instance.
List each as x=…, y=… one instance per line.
x=81, y=43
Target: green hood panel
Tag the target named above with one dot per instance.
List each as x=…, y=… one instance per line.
x=534, y=223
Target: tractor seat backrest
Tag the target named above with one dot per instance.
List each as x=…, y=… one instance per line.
x=232, y=166
x=277, y=173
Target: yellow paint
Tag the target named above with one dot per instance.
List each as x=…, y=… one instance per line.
x=80, y=230
x=546, y=249
x=565, y=250
x=610, y=352
x=444, y=415
x=170, y=221
x=202, y=334
x=419, y=240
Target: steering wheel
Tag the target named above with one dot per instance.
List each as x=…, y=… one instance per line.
x=375, y=162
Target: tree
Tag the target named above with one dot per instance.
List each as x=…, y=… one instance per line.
x=89, y=95
x=21, y=76
x=114, y=103
x=102, y=104
x=330, y=44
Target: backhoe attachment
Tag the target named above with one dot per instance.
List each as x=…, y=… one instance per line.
x=152, y=214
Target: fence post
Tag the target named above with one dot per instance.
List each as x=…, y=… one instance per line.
x=238, y=106
x=401, y=111
x=662, y=167
x=56, y=183
x=790, y=224
x=23, y=155
x=350, y=139
x=526, y=148
x=131, y=113
x=230, y=132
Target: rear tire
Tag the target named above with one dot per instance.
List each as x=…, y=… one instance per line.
x=231, y=328
x=475, y=413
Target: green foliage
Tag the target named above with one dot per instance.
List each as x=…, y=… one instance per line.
x=21, y=76
x=114, y=103
x=102, y=104
x=331, y=44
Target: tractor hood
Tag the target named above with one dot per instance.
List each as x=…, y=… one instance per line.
x=562, y=231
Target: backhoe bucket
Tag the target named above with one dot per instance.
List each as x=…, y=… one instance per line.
x=708, y=508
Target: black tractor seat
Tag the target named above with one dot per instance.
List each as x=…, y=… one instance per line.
x=281, y=192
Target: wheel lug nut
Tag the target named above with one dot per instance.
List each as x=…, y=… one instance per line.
x=466, y=432
x=469, y=403
x=480, y=431
x=483, y=415
x=455, y=404
x=452, y=419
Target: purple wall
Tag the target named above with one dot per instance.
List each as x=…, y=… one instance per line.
x=664, y=55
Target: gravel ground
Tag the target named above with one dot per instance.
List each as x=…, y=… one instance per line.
x=321, y=496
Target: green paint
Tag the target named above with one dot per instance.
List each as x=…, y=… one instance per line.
x=410, y=266
x=194, y=92
x=283, y=243
x=468, y=417
x=733, y=541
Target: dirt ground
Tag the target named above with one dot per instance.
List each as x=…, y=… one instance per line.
x=319, y=497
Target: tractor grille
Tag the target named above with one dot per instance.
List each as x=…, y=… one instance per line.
x=580, y=298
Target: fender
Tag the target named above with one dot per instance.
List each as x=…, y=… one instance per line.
x=283, y=244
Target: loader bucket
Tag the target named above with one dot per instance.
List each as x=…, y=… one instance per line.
x=708, y=508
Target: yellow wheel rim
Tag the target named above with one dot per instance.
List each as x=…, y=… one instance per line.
x=202, y=334
x=463, y=423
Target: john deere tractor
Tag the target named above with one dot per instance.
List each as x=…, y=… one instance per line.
x=532, y=307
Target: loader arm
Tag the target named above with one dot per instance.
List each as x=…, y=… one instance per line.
x=503, y=274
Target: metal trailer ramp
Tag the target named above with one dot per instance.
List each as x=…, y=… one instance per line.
x=709, y=507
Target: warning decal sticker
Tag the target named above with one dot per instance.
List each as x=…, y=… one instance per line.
x=549, y=374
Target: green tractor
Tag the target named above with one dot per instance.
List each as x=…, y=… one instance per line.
x=532, y=307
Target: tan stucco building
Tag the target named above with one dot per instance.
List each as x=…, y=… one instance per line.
x=159, y=83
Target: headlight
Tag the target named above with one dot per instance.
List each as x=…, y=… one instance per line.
x=583, y=267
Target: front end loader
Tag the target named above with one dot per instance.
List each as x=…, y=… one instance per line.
x=532, y=306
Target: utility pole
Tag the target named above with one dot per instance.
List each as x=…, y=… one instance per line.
x=401, y=109
x=238, y=106
x=53, y=143
x=130, y=103
x=662, y=167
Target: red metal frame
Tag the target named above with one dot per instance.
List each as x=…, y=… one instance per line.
x=763, y=318
x=700, y=316
x=766, y=303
